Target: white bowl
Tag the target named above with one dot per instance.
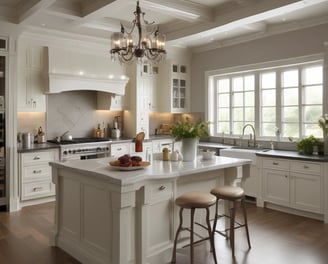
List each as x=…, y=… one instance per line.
x=207, y=154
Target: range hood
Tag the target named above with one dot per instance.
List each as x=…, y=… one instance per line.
x=70, y=70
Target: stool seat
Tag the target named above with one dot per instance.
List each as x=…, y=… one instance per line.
x=228, y=192
x=195, y=200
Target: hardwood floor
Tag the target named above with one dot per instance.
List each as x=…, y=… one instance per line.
x=277, y=238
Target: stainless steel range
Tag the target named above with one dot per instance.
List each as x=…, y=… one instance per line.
x=83, y=148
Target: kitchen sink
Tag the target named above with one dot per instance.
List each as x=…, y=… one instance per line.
x=242, y=153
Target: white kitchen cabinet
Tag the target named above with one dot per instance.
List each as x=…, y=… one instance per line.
x=119, y=149
x=158, y=218
x=31, y=79
x=35, y=174
x=251, y=185
x=295, y=184
x=175, y=87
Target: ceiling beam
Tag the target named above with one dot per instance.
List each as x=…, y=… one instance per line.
x=28, y=9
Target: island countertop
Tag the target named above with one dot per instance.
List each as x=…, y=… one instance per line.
x=158, y=169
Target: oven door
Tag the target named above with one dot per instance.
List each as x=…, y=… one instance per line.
x=93, y=156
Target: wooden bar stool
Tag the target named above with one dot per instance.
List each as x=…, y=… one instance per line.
x=192, y=201
x=233, y=195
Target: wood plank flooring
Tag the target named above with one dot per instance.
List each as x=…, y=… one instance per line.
x=276, y=237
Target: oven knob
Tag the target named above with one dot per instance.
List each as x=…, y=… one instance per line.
x=74, y=151
x=69, y=151
x=65, y=152
x=107, y=148
x=98, y=149
x=78, y=150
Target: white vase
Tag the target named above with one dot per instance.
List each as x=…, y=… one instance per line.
x=189, y=149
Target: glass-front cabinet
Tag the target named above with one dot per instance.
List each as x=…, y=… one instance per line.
x=180, y=84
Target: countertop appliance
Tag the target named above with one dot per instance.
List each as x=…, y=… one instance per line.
x=83, y=148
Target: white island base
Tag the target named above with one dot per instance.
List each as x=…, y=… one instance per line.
x=120, y=217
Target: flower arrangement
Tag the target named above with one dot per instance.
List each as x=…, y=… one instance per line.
x=323, y=124
x=187, y=129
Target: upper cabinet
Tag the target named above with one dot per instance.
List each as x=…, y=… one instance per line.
x=31, y=81
x=175, y=87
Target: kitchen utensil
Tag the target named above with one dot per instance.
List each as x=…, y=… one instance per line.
x=66, y=136
x=27, y=140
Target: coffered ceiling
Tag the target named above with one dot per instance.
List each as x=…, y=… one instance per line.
x=198, y=24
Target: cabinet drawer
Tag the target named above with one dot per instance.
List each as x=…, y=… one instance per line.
x=305, y=167
x=158, y=191
x=41, y=156
x=276, y=164
x=42, y=172
x=119, y=149
x=37, y=190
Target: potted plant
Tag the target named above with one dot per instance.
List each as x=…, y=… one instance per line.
x=306, y=145
x=189, y=133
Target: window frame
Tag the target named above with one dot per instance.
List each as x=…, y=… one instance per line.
x=278, y=66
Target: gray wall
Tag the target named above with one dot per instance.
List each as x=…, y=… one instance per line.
x=287, y=45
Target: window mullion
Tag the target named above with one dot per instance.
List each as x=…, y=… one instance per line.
x=278, y=100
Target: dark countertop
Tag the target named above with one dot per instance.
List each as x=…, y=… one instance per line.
x=284, y=154
x=36, y=147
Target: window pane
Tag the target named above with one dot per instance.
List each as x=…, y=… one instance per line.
x=238, y=114
x=268, y=129
x=249, y=83
x=313, y=94
x=312, y=113
x=290, y=96
x=312, y=129
x=224, y=114
x=313, y=75
x=268, y=97
x=290, y=130
x=237, y=84
x=238, y=128
x=269, y=114
x=249, y=99
x=238, y=99
x=224, y=127
x=224, y=100
x=290, y=78
x=224, y=85
x=268, y=80
x=249, y=114
x=290, y=114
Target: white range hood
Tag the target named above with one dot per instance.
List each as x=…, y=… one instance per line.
x=70, y=70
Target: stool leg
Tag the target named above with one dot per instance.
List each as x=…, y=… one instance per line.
x=176, y=237
x=192, y=235
x=215, y=217
x=242, y=202
x=211, y=234
x=232, y=228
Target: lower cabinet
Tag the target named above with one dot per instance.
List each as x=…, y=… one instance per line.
x=295, y=184
x=35, y=174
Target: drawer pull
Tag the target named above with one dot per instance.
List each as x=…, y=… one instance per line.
x=275, y=163
x=37, y=171
x=306, y=166
x=36, y=189
x=36, y=158
x=161, y=188
x=119, y=149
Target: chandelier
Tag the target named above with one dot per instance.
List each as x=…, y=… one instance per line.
x=148, y=45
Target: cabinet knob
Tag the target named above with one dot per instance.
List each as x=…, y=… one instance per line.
x=161, y=188
x=306, y=166
x=275, y=163
x=36, y=158
x=35, y=189
x=37, y=171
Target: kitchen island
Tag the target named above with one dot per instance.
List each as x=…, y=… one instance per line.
x=103, y=215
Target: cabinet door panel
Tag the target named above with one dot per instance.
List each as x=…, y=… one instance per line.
x=276, y=184
x=306, y=192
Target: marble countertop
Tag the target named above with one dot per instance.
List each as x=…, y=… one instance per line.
x=157, y=170
x=37, y=147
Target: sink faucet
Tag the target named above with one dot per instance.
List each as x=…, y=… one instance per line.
x=254, y=136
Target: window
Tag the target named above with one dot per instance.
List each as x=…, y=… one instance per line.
x=279, y=101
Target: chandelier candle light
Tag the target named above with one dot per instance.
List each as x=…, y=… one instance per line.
x=149, y=44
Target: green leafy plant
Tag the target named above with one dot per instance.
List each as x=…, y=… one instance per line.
x=305, y=145
x=187, y=129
